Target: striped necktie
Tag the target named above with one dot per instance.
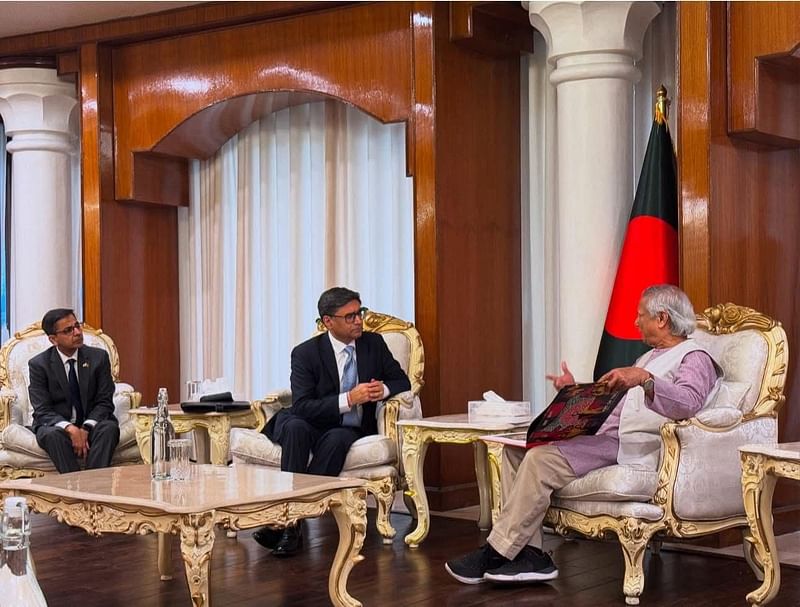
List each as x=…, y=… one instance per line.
x=349, y=381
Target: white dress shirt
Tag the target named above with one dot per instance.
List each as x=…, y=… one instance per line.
x=341, y=360
x=65, y=362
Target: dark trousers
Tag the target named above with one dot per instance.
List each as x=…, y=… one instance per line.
x=103, y=439
x=299, y=440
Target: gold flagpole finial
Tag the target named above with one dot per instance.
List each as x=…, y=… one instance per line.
x=662, y=105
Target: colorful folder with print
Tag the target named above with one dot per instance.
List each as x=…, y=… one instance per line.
x=576, y=410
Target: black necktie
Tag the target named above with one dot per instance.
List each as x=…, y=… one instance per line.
x=75, y=392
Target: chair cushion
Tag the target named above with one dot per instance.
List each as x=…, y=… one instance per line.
x=649, y=512
x=399, y=347
x=251, y=447
x=615, y=483
x=728, y=394
x=742, y=356
x=19, y=448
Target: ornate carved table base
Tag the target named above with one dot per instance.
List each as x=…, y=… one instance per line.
x=215, y=426
x=153, y=510
x=449, y=429
x=761, y=467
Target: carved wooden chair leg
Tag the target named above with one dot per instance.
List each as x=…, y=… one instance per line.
x=634, y=538
x=383, y=491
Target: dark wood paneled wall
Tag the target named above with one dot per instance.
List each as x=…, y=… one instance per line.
x=740, y=172
x=158, y=90
x=477, y=211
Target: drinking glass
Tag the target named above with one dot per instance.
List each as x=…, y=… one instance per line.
x=192, y=390
x=179, y=450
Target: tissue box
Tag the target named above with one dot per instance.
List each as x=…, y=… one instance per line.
x=504, y=412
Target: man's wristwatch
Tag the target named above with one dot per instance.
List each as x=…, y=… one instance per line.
x=649, y=384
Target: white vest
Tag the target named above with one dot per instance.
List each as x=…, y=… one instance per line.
x=639, y=426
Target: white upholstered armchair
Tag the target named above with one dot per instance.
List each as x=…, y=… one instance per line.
x=374, y=458
x=20, y=455
x=697, y=488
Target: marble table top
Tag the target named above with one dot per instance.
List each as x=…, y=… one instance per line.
x=789, y=451
x=461, y=421
x=209, y=487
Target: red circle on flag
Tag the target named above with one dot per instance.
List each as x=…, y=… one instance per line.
x=649, y=257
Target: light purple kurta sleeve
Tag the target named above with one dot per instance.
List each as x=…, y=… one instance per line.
x=685, y=396
x=677, y=399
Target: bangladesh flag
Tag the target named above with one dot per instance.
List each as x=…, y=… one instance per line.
x=649, y=252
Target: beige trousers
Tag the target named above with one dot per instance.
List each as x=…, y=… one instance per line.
x=528, y=479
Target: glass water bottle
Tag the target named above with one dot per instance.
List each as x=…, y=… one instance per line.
x=160, y=435
x=18, y=583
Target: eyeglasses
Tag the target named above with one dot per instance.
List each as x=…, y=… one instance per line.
x=69, y=330
x=351, y=317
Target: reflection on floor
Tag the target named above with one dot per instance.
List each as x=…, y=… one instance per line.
x=788, y=543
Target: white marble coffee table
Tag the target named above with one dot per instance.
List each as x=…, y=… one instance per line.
x=761, y=467
x=125, y=500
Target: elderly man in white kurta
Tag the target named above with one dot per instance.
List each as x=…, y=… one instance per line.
x=671, y=381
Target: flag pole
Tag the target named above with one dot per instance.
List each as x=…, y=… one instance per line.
x=662, y=106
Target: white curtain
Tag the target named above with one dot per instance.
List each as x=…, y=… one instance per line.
x=540, y=328
x=307, y=198
x=4, y=307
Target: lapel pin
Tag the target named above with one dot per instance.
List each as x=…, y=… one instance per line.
x=85, y=365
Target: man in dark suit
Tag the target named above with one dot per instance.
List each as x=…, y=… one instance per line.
x=72, y=391
x=337, y=379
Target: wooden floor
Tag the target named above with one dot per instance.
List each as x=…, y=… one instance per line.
x=116, y=570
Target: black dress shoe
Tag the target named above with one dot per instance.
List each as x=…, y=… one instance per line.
x=268, y=536
x=290, y=542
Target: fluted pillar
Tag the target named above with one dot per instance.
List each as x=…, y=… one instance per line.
x=36, y=107
x=593, y=46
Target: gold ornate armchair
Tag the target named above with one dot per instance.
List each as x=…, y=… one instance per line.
x=20, y=455
x=697, y=488
x=374, y=458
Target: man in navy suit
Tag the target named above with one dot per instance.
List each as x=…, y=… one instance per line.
x=337, y=379
x=71, y=391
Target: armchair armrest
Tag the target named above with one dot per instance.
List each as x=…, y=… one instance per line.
x=700, y=472
x=7, y=398
x=266, y=407
x=394, y=408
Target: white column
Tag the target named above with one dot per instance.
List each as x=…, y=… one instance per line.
x=593, y=46
x=36, y=107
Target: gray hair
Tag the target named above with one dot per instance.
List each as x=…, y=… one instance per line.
x=675, y=303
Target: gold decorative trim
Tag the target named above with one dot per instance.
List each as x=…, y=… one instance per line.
x=633, y=533
x=35, y=330
x=727, y=318
x=759, y=475
x=416, y=440
x=197, y=529
x=8, y=473
x=383, y=490
x=217, y=427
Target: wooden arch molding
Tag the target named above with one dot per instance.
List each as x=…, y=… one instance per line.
x=182, y=97
x=161, y=175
